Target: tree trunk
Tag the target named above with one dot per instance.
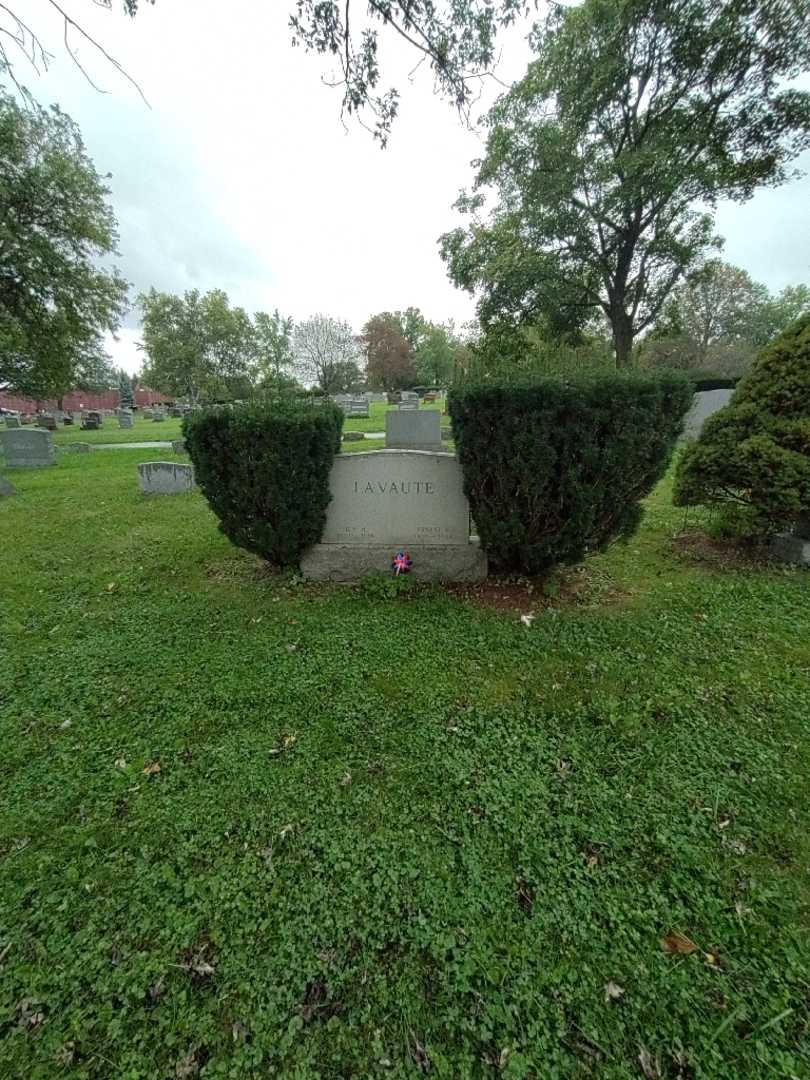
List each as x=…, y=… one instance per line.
x=622, y=337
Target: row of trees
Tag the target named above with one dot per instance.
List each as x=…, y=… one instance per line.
x=603, y=165
x=718, y=320
x=59, y=295
x=715, y=320
x=200, y=347
x=403, y=350
x=591, y=206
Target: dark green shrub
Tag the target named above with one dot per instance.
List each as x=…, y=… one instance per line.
x=754, y=455
x=707, y=380
x=264, y=469
x=555, y=468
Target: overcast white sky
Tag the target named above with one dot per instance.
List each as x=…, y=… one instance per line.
x=242, y=177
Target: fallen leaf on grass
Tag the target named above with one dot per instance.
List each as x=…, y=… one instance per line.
x=613, y=991
x=198, y=965
x=420, y=1055
x=120, y=763
x=111, y=586
x=497, y=1060
x=525, y=896
x=678, y=943
x=66, y=1054
x=152, y=768
x=188, y=1066
x=240, y=1032
x=650, y=1066
x=157, y=989
x=287, y=742
x=29, y=1014
x=528, y=619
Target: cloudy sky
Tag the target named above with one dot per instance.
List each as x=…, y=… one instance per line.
x=241, y=176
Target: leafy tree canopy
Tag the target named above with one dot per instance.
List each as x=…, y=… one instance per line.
x=389, y=353
x=273, y=348
x=718, y=318
x=197, y=346
x=56, y=225
x=633, y=113
x=456, y=40
x=326, y=354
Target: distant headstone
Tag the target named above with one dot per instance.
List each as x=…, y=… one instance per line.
x=408, y=400
x=704, y=404
x=6, y=488
x=389, y=499
x=28, y=448
x=447, y=434
x=79, y=448
x=67, y=420
x=175, y=412
x=91, y=421
x=12, y=421
x=179, y=446
x=125, y=419
x=158, y=417
x=354, y=407
x=793, y=547
x=47, y=422
x=417, y=430
x=165, y=478
x=148, y=414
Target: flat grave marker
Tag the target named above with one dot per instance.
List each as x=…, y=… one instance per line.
x=165, y=478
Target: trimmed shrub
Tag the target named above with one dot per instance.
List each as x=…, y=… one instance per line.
x=702, y=380
x=264, y=470
x=753, y=456
x=555, y=469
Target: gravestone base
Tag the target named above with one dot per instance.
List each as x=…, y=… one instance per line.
x=789, y=548
x=431, y=562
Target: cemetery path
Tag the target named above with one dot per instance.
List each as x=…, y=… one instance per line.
x=167, y=442
x=130, y=445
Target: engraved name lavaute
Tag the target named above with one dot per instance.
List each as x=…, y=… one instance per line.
x=394, y=487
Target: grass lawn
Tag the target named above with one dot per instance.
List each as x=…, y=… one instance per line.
x=251, y=827
x=142, y=430
x=148, y=431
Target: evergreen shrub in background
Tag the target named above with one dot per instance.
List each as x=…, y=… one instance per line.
x=264, y=470
x=556, y=468
x=752, y=459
